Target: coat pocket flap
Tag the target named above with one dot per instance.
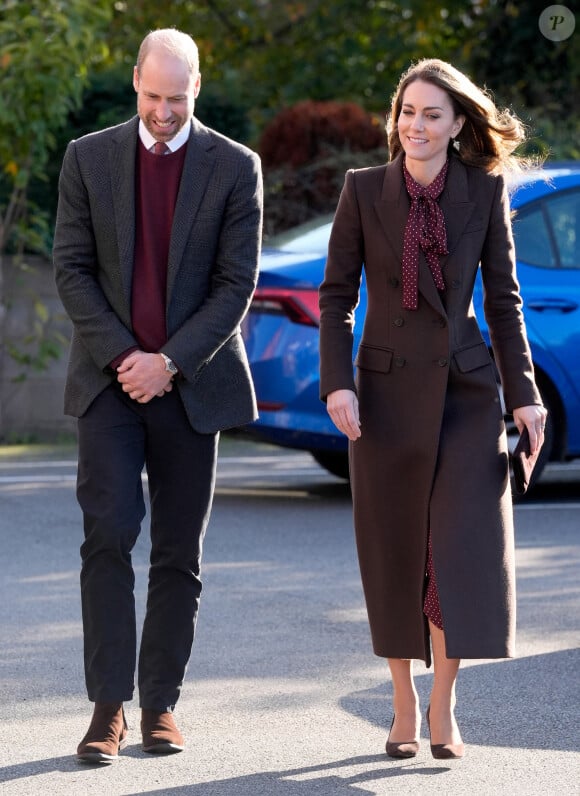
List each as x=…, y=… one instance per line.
x=476, y=356
x=372, y=358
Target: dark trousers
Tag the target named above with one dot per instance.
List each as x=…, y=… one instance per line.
x=117, y=438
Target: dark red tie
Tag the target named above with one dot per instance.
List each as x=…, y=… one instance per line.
x=160, y=148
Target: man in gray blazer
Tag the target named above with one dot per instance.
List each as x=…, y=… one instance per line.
x=156, y=256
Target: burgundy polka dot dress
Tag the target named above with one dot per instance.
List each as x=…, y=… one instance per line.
x=431, y=607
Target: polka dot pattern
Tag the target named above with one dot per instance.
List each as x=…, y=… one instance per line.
x=425, y=229
x=431, y=607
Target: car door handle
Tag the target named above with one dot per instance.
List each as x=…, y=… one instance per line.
x=553, y=305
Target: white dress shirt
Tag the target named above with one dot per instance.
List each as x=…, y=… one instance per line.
x=175, y=143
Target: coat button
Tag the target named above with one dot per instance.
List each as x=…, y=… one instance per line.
x=399, y=322
x=442, y=323
x=399, y=362
x=455, y=283
x=442, y=361
x=394, y=281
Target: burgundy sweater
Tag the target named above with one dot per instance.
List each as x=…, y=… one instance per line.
x=157, y=180
x=156, y=186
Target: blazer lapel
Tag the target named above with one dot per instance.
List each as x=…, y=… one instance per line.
x=197, y=169
x=122, y=170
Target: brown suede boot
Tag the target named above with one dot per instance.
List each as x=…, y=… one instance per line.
x=107, y=734
x=160, y=733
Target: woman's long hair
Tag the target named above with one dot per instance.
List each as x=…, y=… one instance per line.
x=489, y=135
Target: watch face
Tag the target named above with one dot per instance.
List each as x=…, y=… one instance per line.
x=169, y=365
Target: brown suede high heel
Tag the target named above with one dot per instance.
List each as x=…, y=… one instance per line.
x=444, y=751
x=403, y=749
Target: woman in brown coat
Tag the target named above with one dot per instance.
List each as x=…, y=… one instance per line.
x=428, y=456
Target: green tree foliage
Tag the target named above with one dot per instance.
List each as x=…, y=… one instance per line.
x=271, y=54
x=45, y=48
x=260, y=57
x=537, y=77
x=45, y=51
x=278, y=52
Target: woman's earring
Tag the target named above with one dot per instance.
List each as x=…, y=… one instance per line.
x=456, y=144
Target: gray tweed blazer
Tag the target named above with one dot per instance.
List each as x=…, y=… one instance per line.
x=212, y=268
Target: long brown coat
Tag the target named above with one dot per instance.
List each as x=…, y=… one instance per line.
x=433, y=450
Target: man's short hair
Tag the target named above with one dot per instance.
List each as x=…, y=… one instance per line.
x=173, y=41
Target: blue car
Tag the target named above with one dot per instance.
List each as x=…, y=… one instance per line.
x=281, y=329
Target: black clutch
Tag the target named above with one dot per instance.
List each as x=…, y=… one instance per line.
x=523, y=463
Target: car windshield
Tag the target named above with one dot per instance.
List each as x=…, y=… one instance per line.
x=309, y=237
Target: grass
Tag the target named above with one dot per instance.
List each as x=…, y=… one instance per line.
x=231, y=444
x=41, y=451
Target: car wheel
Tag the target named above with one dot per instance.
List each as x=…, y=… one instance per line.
x=335, y=462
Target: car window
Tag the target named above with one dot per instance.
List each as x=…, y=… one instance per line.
x=564, y=214
x=547, y=234
x=309, y=237
x=532, y=239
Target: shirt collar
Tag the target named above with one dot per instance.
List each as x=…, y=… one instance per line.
x=175, y=143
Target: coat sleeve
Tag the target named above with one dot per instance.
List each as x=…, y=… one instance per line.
x=77, y=273
x=503, y=307
x=339, y=293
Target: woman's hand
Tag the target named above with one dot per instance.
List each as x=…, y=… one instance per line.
x=534, y=418
x=342, y=406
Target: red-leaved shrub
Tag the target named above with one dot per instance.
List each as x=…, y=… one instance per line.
x=305, y=153
x=311, y=130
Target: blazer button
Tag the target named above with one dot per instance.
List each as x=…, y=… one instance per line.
x=394, y=281
x=442, y=361
x=399, y=362
x=455, y=283
x=442, y=323
x=399, y=322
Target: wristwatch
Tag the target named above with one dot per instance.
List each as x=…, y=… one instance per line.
x=170, y=365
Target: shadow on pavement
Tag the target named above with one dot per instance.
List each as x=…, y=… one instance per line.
x=293, y=782
x=528, y=703
x=283, y=783
x=525, y=703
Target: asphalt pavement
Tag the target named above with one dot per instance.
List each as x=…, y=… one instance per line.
x=283, y=695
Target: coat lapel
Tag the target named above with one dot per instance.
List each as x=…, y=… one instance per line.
x=393, y=207
x=455, y=204
x=198, y=166
x=122, y=170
